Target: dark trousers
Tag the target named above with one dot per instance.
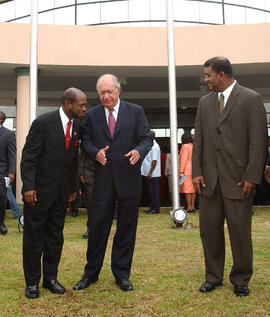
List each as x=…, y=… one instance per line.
x=100, y=222
x=42, y=236
x=154, y=192
x=238, y=213
x=3, y=199
x=88, y=188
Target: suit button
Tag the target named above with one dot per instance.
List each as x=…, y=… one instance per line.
x=218, y=131
x=218, y=149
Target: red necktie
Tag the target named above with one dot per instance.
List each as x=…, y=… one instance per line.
x=111, y=122
x=67, y=136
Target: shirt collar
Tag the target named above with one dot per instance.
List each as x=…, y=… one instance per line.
x=64, y=117
x=115, y=108
x=226, y=93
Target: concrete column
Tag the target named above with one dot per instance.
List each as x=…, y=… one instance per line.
x=22, y=119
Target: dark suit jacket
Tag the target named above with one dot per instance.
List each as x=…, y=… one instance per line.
x=46, y=165
x=230, y=147
x=131, y=132
x=7, y=152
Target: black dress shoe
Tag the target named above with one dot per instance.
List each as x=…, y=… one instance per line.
x=85, y=235
x=241, y=290
x=54, y=286
x=147, y=210
x=32, y=291
x=124, y=284
x=84, y=283
x=3, y=228
x=208, y=287
x=152, y=212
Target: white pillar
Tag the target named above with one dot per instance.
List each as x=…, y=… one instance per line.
x=173, y=105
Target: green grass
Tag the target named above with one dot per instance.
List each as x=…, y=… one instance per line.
x=168, y=269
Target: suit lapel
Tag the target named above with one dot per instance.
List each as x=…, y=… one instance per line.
x=230, y=103
x=58, y=126
x=122, y=114
x=101, y=117
x=213, y=105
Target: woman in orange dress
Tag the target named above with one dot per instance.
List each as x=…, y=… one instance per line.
x=185, y=169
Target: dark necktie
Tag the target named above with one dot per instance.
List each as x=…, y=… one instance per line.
x=111, y=122
x=67, y=136
x=221, y=103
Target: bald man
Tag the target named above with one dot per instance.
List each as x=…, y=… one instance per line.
x=48, y=171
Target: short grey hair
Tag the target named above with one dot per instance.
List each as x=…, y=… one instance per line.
x=114, y=78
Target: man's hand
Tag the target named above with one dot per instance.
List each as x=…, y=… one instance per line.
x=72, y=197
x=267, y=174
x=11, y=177
x=247, y=188
x=30, y=197
x=134, y=156
x=149, y=175
x=198, y=182
x=101, y=155
x=82, y=179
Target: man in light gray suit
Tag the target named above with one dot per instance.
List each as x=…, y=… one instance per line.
x=229, y=153
x=7, y=166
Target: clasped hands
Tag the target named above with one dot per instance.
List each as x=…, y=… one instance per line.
x=133, y=155
x=198, y=182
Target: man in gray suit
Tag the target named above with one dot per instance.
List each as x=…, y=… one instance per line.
x=7, y=166
x=229, y=153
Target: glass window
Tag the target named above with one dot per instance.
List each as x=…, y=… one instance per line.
x=24, y=20
x=235, y=15
x=211, y=13
x=256, y=4
x=157, y=10
x=242, y=2
x=44, y=5
x=88, y=14
x=186, y=11
x=60, y=3
x=85, y=1
x=23, y=8
x=7, y=11
x=65, y=16
x=46, y=17
x=114, y=11
x=255, y=16
x=139, y=10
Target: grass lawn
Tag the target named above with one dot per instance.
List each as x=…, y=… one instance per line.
x=167, y=270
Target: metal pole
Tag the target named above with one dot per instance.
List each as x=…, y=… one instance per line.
x=33, y=60
x=173, y=105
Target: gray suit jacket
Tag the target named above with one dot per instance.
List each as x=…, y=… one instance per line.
x=7, y=152
x=230, y=147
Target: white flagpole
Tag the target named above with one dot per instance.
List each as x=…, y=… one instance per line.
x=33, y=60
x=173, y=105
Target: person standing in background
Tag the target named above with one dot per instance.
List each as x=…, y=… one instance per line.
x=185, y=170
x=7, y=167
x=151, y=170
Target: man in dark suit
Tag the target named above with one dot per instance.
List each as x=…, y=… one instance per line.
x=48, y=171
x=117, y=136
x=229, y=152
x=7, y=167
